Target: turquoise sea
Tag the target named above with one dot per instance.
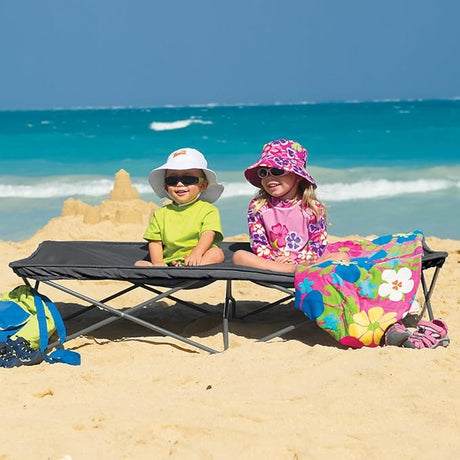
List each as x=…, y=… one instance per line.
x=382, y=167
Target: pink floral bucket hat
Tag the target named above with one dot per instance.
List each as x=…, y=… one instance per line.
x=282, y=154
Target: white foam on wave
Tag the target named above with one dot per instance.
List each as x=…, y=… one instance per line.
x=382, y=188
x=178, y=124
x=235, y=189
x=361, y=190
x=337, y=191
x=54, y=189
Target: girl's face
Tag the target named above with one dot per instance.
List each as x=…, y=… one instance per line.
x=180, y=188
x=284, y=186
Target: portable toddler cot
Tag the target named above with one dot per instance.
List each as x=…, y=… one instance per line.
x=99, y=260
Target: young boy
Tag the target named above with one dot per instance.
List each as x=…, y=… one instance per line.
x=187, y=231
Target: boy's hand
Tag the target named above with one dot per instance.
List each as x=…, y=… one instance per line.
x=193, y=259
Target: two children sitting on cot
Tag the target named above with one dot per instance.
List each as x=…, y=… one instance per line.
x=287, y=223
x=287, y=229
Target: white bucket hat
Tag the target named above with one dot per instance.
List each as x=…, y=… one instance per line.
x=181, y=159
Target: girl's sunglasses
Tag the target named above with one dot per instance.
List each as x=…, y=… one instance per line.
x=275, y=172
x=172, y=181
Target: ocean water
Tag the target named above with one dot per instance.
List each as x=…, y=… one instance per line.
x=382, y=167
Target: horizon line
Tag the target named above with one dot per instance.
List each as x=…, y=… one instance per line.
x=242, y=104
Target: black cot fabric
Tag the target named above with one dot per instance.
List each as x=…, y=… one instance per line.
x=432, y=259
x=103, y=260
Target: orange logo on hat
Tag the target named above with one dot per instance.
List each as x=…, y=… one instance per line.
x=179, y=152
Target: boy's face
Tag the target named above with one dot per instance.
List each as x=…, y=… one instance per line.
x=180, y=188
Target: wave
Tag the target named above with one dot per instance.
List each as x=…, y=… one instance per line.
x=382, y=188
x=178, y=124
x=56, y=189
x=361, y=190
x=329, y=192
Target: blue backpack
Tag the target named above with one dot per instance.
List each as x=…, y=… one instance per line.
x=27, y=321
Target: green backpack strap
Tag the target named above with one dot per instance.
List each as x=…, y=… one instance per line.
x=60, y=355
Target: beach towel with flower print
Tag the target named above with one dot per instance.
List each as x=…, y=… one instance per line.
x=357, y=300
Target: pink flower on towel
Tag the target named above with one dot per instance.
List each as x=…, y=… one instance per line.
x=278, y=235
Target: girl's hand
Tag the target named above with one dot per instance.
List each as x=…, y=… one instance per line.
x=338, y=256
x=146, y=263
x=284, y=260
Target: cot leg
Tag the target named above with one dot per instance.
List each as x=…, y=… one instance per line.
x=117, y=314
x=427, y=293
x=26, y=282
x=229, y=310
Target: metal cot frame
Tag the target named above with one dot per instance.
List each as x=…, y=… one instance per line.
x=94, y=260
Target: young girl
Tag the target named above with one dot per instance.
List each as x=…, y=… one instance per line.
x=287, y=223
x=359, y=290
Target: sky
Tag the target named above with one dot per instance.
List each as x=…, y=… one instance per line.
x=112, y=53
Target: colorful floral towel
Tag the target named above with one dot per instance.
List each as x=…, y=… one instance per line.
x=357, y=300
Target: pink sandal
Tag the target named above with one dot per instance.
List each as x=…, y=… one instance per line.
x=429, y=334
x=396, y=335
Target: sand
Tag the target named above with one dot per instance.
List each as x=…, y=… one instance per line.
x=137, y=395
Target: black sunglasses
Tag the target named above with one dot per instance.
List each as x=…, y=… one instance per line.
x=275, y=172
x=172, y=181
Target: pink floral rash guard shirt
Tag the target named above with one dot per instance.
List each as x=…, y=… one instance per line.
x=286, y=228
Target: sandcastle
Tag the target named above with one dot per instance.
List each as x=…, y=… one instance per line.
x=123, y=207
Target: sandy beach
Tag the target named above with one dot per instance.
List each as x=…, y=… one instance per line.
x=136, y=395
